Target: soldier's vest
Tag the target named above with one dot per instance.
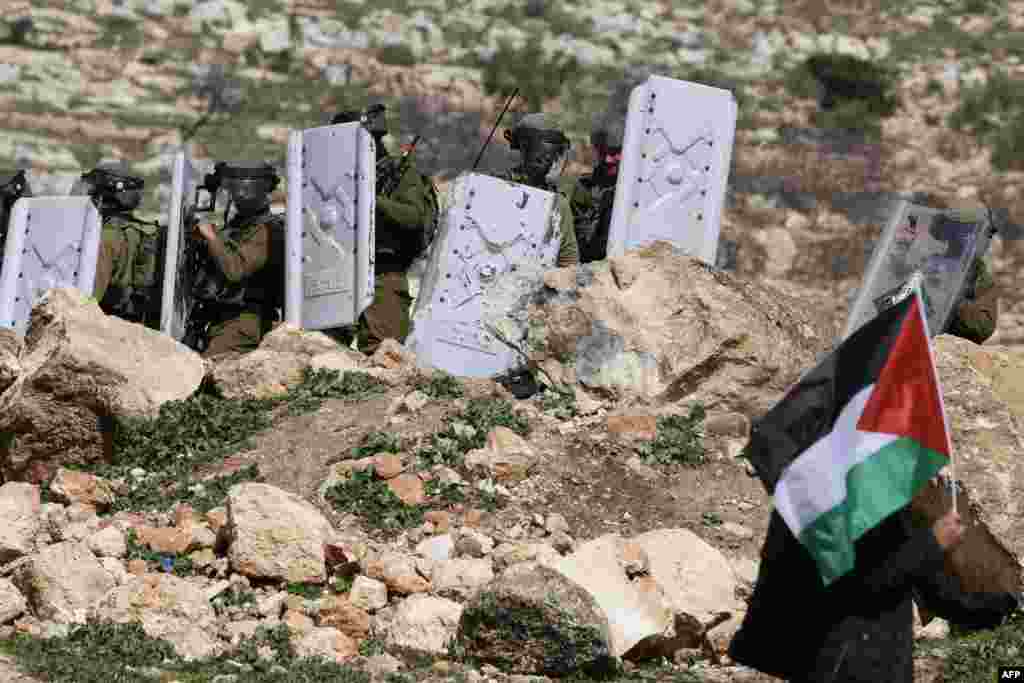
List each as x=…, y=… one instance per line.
x=389, y=170
x=594, y=220
x=132, y=290
x=259, y=292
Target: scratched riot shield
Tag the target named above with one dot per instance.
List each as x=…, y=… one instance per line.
x=933, y=249
x=492, y=228
x=176, y=289
x=51, y=242
x=329, y=268
x=675, y=166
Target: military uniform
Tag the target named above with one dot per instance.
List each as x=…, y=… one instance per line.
x=126, y=267
x=241, y=285
x=977, y=313
x=568, y=248
x=591, y=204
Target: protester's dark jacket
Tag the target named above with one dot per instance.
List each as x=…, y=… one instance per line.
x=859, y=629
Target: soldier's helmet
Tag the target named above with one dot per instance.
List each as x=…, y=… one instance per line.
x=540, y=140
x=111, y=187
x=609, y=135
x=373, y=118
x=13, y=186
x=247, y=183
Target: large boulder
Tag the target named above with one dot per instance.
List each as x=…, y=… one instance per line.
x=10, y=352
x=80, y=369
x=536, y=621
x=657, y=324
x=276, y=535
x=20, y=520
x=63, y=581
x=983, y=390
x=636, y=617
x=167, y=607
x=424, y=623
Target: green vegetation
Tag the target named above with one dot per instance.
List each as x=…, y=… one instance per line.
x=307, y=591
x=537, y=76
x=559, y=402
x=679, y=440
x=396, y=55
x=203, y=429
x=103, y=652
x=975, y=657
x=468, y=430
x=370, y=499
x=440, y=385
x=374, y=443
x=994, y=113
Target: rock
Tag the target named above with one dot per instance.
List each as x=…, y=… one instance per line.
x=507, y=457
x=721, y=635
x=984, y=400
x=562, y=542
x=460, y=578
x=643, y=427
x=329, y=643
x=276, y=534
x=696, y=579
x=424, y=623
x=340, y=360
x=368, y=594
x=238, y=631
x=137, y=567
x=640, y=468
x=556, y=522
x=115, y=568
x=108, y=542
x=410, y=404
x=167, y=607
x=166, y=540
x=636, y=618
x=258, y=374
x=12, y=602
x=69, y=486
x=508, y=554
x=287, y=338
x=727, y=424
x=20, y=520
x=473, y=544
x=380, y=666
x=409, y=489
x=299, y=623
x=339, y=612
x=80, y=369
x=536, y=621
x=737, y=530
x=398, y=573
x=391, y=355
x=441, y=520
x=438, y=548
x=62, y=582
x=625, y=329
x=937, y=629
x=387, y=465
x=10, y=365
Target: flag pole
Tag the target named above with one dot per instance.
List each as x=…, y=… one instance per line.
x=942, y=402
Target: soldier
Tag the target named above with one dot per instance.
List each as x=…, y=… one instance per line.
x=591, y=195
x=406, y=217
x=239, y=287
x=126, y=267
x=13, y=186
x=541, y=144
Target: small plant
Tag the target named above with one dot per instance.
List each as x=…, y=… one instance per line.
x=449, y=492
x=373, y=502
x=972, y=657
x=372, y=645
x=678, y=439
x=468, y=430
x=342, y=584
x=235, y=596
x=994, y=113
x=306, y=591
x=374, y=443
x=537, y=76
x=396, y=55
x=441, y=385
x=320, y=385
x=559, y=403
x=711, y=519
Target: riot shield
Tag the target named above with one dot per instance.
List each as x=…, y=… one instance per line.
x=924, y=247
x=176, y=289
x=491, y=227
x=675, y=166
x=329, y=267
x=51, y=242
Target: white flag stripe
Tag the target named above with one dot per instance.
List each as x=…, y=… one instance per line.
x=815, y=482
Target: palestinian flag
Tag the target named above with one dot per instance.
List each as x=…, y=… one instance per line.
x=856, y=438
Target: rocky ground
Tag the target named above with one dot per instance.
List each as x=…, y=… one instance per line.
x=91, y=79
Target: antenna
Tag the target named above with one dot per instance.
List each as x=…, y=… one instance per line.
x=490, y=135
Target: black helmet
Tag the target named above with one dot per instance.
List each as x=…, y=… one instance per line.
x=373, y=118
x=111, y=187
x=608, y=134
x=13, y=186
x=541, y=142
x=249, y=184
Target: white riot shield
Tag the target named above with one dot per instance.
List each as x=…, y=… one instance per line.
x=176, y=287
x=491, y=227
x=329, y=268
x=51, y=242
x=919, y=247
x=675, y=166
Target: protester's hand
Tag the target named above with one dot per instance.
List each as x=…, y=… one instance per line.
x=208, y=231
x=948, y=530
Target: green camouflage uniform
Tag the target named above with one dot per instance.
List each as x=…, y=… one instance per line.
x=401, y=220
x=591, y=208
x=242, y=294
x=126, y=268
x=568, y=249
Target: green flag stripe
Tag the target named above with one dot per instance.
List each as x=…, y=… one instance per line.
x=875, y=488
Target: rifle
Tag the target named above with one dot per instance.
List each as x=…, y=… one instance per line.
x=195, y=261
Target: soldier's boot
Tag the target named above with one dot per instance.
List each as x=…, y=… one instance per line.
x=388, y=316
x=241, y=334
